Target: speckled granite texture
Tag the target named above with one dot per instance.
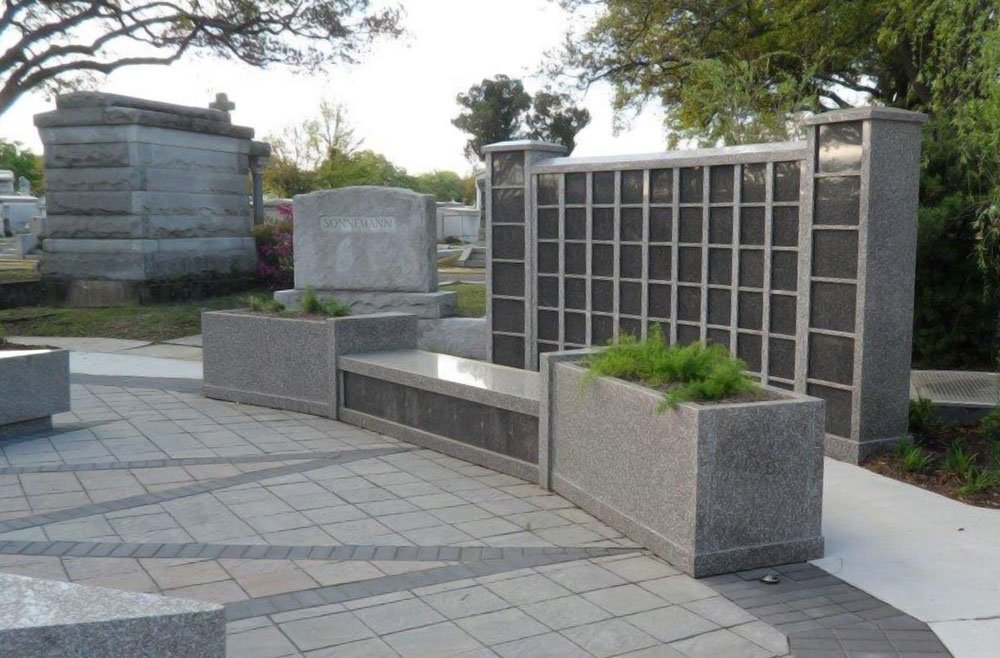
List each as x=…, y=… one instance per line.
x=34, y=384
x=49, y=619
x=711, y=488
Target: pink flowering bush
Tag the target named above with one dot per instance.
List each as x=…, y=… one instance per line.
x=275, y=262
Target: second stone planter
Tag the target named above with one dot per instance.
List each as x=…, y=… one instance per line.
x=712, y=488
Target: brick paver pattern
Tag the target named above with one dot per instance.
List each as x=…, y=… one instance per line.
x=324, y=540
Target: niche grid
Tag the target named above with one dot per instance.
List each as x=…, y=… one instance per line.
x=706, y=253
x=834, y=273
x=508, y=261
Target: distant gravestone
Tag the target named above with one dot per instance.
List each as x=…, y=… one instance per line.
x=6, y=181
x=373, y=247
x=23, y=186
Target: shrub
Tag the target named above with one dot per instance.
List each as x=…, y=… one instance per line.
x=957, y=461
x=921, y=413
x=275, y=258
x=977, y=480
x=330, y=307
x=265, y=304
x=990, y=425
x=912, y=458
x=692, y=373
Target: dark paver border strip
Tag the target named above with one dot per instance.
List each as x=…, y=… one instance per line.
x=183, y=461
x=194, y=489
x=369, y=552
x=519, y=558
x=825, y=617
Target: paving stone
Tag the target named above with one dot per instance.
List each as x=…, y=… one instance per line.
x=609, y=638
x=720, y=611
x=259, y=643
x=669, y=624
x=581, y=576
x=373, y=648
x=468, y=601
x=434, y=641
x=679, y=589
x=566, y=612
x=329, y=630
x=399, y=616
x=625, y=599
x=640, y=568
x=720, y=643
x=550, y=645
x=527, y=589
x=501, y=626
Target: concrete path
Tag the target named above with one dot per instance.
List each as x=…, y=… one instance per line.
x=932, y=557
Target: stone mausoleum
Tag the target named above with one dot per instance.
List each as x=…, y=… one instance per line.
x=141, y=192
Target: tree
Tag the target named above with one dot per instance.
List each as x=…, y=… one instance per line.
x=361, y=168
x=555, y=119
x=733, y=72
x=60, y=45
x=22, y=162
x=500, y=109
x=299, y=150
x=444, y=185
x=494, y=112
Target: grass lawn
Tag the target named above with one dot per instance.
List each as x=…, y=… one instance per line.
x=156, y=322
x=159, y=322
x=471, y=298
x=18, y=270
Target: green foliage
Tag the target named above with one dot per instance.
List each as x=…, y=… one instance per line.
x=329, y=307
x=265, y=304
x=912, y=458
x=957, y=461
x=493, y=112
x=444, y=185
x=975, y=481
x=995, y=455
x=500, y=109
x=921, y=412
x=22, y=162
x=990, y=425
x=692, y=373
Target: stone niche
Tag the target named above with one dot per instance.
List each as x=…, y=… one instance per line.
x=141, y=191
x=371, y=247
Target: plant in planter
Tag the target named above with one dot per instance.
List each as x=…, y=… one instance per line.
x=694, y=373
x=678, y=448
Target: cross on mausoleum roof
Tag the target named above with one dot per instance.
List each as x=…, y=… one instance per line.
x=223, y=103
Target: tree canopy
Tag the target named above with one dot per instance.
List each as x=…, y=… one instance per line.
x=59, y=45
x=499, y=109
x=22, y=162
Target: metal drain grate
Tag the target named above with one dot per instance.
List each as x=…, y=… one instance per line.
x=974, y=389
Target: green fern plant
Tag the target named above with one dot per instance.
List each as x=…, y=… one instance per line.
x=912, y=458
x=957, y=461
x=265, y=305
x=329, y=307
x=977, y=480
x=693, y=373
x=990, y=425
x=921, y=413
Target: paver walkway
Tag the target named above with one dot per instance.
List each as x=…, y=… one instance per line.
x=324, y=540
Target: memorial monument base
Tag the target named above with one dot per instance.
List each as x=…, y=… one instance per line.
x=425, y=305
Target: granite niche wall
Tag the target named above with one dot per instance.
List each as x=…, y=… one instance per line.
x=797, y=256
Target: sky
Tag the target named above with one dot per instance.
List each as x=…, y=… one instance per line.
x=400, y=98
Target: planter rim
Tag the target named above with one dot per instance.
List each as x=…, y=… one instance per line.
x=784, y=395
x=13, y=354
x=247, y=312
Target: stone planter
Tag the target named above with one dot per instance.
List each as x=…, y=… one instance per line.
x=289, y=362
x=34, y=385
x=712, y=488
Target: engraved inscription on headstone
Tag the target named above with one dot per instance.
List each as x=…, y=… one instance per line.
x=356, y=224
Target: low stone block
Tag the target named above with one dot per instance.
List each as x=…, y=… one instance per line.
x=464, y=337
x=289, y=362
x=34, y=385
x=712, y=488
x=49, y=619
